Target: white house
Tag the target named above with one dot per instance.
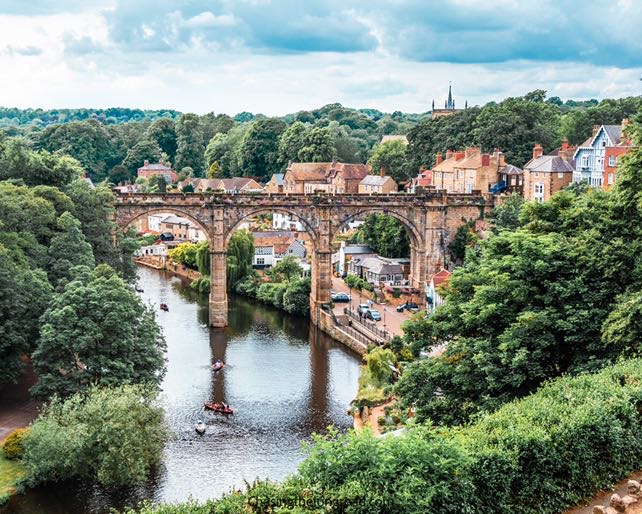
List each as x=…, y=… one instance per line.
x=159, y=250
x=590, y=155
x=283, y=221
x=346, y=253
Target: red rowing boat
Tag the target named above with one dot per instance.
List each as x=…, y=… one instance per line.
x=218, y=407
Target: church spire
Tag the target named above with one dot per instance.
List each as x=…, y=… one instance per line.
x=450, y=104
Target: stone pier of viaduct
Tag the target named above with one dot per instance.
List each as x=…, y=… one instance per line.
x=431, y=219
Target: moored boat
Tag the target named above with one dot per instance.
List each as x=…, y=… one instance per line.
x=164, y=307
x=200, y=427
x=219, y=407
x=219, y=364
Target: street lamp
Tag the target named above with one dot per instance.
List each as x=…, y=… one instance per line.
x=350, y=293
x=384, y=319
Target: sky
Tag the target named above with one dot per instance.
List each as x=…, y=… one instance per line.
x=281, y=56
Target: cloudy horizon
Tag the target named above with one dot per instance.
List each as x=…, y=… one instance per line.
x=280, y=56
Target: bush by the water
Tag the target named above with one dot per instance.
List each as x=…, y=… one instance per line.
x=292, y=296
x=538, y=455
x=113, y=436
x=13, y=446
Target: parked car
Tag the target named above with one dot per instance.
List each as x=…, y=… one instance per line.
x=373, y=315
x=340, y=297
x=408, y=306
x=363, y=308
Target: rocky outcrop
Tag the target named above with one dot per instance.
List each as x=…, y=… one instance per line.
x=621, y=504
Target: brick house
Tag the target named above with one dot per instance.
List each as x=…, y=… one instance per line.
x=612, y=157
x=377, y=184
x=443, y=172
x=477, y=171
x=326, y=177
x=148, y=170
x=275, y=184
x=545, y=175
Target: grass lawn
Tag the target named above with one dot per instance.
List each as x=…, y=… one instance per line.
x=10, y=473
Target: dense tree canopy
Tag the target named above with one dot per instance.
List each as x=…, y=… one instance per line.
x=191, y=144
x=111, y=436
x=391, y=157
x=97, y=331
x=260, y=149
x=556, y=296
x=385, y=235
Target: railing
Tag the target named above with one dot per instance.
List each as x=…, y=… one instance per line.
x=355, y=334
x=371, y=326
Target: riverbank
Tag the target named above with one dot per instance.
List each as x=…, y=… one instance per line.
x=11, y=472
x=18, y=408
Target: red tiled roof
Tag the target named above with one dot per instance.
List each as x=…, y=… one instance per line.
x=441, y=277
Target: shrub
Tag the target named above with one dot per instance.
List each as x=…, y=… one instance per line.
x=201, y=284
x=296, y=299
x=13, y=446
x=247, y=286
x=113, y=436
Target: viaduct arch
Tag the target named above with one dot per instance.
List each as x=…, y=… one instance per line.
x=431, y=218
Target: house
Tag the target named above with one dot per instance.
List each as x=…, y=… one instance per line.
x=346, y=253
x=545, y=175
x=127, y=188
x=148, y=170
x=433, y=298
x=275, y=184
x=377, y=184
x=590, y=156
x=613, y=155
x=443, y=172
x=178, y=227
x=238, y=185
x=272, y=246
x=326, y=177
x=283, y=221
x=477, y=171
x=511, y=180
x=377, y=270
x=423, y=180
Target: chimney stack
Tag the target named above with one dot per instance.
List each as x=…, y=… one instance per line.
x=485, y=159
x=538, y=151
x=459, y=155
x=438, y=158
x=449, y=154
x=564, y=144
x=382, y=171
x=471, y=150
x=146, y=163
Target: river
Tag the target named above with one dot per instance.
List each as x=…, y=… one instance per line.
x=285, y=380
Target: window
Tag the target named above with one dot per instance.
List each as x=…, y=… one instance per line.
x=539, y=192
x=585, y=161
x=603, y=143
x=611, y=160
x=260, y=260
x=560, y=174
x=610, y=178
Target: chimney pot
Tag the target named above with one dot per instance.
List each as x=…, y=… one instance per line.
x=146, y=163
x=538, y=151
x=382, y=171
x=564, y=144
x=449, y=154
x=459, y=155
x=439, y=159
x=485, y=159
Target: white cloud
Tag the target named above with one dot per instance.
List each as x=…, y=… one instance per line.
x=209, y=19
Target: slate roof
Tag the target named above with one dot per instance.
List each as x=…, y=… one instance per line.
x=375, y=180
x=613, y=131
x=156, y=166
x=357, y=249
x=379, y=266
x=175, y=220
x=550, y=164
x=278, y=178
x=509, y=169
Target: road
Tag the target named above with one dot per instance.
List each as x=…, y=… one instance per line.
x=393, y=319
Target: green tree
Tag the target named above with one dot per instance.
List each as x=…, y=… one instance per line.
x=156, y=184
x=318, y=146
x=97, y=331
x=391, y=156
x=112, y=436
x=163, y=132
x=142, y=151
x=68, y=248
x=385, y=235
x=214, y=170
x=226, y=150
x=191, y=146
x=296, y=299
x=260, y=148
x=291, y=142
x=506, y=215
x=89, y=142
x=285, y=270
x=24, y=296
x=240, y=255
x=464, y=238
x=622, y=328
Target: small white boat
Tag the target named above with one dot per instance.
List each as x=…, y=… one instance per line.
x=200, y=427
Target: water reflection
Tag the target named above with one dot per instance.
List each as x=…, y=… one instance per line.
x=284, y=379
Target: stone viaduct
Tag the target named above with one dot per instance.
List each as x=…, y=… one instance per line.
x=431, y=219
